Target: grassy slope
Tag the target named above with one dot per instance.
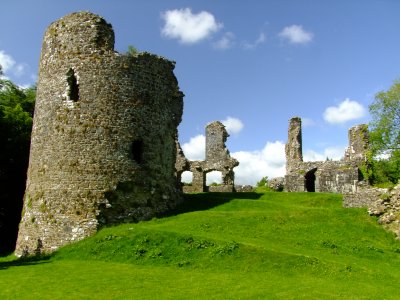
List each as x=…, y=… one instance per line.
x=219, y=246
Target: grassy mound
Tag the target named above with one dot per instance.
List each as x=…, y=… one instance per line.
x=218, y=246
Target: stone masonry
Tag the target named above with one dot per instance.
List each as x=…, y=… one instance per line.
x=217, y=159
x=383, y=203
x=324, y=176
x=103, y=147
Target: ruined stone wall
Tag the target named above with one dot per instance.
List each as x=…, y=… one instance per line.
x=383, y=203
x=363, y=197
x=103, y=147
x=324, y=176
x=217, y=159
x=337, y=177
x=358, y=144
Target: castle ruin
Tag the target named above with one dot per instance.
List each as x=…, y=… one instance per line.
x=324, y=176
x=103, y=147
x=217, y=159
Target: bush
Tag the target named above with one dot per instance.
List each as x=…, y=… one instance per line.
x=263, y=182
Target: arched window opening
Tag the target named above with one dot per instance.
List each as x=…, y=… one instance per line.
x=137, y=151
x=73, y=86
x=214, y=178
x=187, y=178
x=310, y=180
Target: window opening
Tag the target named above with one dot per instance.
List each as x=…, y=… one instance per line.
x=137, y=151
x=73, y=86
x=214, y=178
x=187, y=178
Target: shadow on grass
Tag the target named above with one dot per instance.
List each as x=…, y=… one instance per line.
x=205, y=201
x=26, y=261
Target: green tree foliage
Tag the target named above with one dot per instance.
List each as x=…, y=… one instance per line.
x=263, y=182
x=132, y=50
x=16, y=112
x=385, y=135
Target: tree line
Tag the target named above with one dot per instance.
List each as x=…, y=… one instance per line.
x=16, y=113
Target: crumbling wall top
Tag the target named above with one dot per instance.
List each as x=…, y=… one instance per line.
x=80, y=32
x=358, y=143
x=216, y=136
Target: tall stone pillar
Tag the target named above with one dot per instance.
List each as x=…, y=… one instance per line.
x=358, y=144
x=294, y=146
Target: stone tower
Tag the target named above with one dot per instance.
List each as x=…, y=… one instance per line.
x=294, y=146
x=358, y=144
x=103, y=144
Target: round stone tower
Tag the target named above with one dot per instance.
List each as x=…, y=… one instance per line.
x=103, y=145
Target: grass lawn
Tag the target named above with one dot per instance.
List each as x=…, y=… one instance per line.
x=223, y=246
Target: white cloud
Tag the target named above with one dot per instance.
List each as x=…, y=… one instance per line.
x=233, y=125
x=345, y=111
x=6, y=61
x=227, y=41
x=187, y=27
x=260, y=40
x=334, y=153
x=195, y=149
x=9, y=65
x=295, y=34
x=19, y=69
x=253, y=165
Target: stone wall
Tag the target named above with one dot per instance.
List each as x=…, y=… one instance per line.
x=217, y=159
x=363, y=197
x=103, y=146
x=382, y=203
x=324, y=176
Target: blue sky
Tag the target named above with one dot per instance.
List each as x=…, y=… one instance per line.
x=251, y=64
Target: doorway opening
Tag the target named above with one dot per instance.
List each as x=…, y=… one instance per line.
x=310, y=180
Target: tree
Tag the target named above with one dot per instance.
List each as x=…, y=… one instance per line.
x=132, y=50
x=385, y=135
x=263, y=182
x=385, y=124
x=16, y=112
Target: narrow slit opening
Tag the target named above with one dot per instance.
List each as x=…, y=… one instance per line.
x=73, y=86
x=137, y=151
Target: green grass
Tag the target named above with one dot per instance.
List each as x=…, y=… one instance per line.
x=223, y=246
